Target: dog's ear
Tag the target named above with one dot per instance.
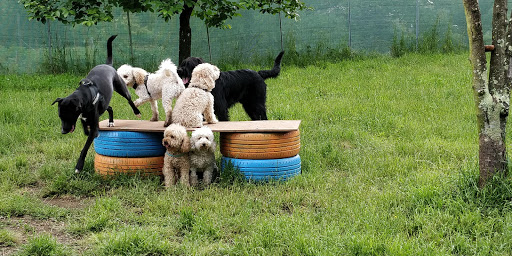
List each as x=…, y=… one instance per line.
x=204, y=77
x=138, y=76
x=216, y=72
x=57, y=100
x=214, y=145
x=199, y=61
x=185, y=145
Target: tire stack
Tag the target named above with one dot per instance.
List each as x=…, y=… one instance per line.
x=262, y=156
x=126, y=152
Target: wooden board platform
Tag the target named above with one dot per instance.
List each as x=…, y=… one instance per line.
x=231, y=126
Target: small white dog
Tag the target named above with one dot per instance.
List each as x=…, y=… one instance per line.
x=164, y=84
x=202, y=155
x=197, y=100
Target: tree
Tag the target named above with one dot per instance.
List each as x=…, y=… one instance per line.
x=213, y=12
x=491, y=87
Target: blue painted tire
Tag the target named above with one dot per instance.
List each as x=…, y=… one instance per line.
x=264, y=170
x=129, y=144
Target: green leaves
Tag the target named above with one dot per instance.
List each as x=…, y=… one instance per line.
x=213, y=12
x=87, y=13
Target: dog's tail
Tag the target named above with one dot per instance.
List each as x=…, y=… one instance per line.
x=274, y=72
x=109, y=50
x=167, y=67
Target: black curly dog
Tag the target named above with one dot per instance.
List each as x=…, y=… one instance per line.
x=90, y=100
x=245, y=86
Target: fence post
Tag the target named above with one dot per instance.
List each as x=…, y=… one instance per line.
x=209, y=46
x=349, y=27
x=417, y=23
x=49, y=30
x=132, y=59
x=281, y=30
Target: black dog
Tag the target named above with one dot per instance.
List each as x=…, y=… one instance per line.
x=245, y=86
x=90, y=100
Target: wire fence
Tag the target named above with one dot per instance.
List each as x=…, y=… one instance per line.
x=368, y=26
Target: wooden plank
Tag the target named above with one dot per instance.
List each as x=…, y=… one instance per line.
x=231, y=126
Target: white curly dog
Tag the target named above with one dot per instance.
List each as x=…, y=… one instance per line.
x=164, y=84
x=202, y=155
x=196, y=101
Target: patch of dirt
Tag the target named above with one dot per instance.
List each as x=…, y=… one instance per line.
x=26, y=227
x=68, y=202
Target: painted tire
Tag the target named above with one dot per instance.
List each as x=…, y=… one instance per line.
x=129, y=144
x=260, y=145
x=264, y=170
x=108, y=166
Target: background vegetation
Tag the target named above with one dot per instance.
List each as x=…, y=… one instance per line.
x=333, y=26
x=389, y=166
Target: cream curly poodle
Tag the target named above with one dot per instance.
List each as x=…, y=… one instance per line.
x=196, y=101
x=164, y=84
x=202, y=155
x=176, y=159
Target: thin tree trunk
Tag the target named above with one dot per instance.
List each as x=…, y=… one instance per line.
x=185, y=43
x=491, y=89
x=132, y=58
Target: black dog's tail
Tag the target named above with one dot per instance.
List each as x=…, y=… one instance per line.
x=109, y=50
x=274, y=72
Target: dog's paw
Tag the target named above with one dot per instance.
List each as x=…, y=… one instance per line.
x=77, y=171
x=138, y=115
x=110, y=124
x=154, y=119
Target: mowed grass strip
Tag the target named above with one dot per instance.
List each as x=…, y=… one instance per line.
x=389, y=162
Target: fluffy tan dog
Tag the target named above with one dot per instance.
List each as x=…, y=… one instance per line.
x=196, y=101
x=202, y=155
x=176, y=160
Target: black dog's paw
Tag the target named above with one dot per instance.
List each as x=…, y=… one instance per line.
x=110, y=124
x=137, y=112
x=86, y=130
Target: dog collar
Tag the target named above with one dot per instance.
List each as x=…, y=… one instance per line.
x=179, y=155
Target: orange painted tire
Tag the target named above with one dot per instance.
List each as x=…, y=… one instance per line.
x=145, y=166
x=260, y=145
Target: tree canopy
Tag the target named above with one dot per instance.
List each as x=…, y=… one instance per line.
x=214, y=13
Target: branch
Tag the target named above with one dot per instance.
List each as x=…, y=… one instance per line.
x=497, y=75
x=476, y=45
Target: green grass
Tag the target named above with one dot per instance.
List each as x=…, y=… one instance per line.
x=389, y=160
x=7, y=238
x=43, y=245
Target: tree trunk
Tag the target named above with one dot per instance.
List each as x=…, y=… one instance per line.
x=132, y=58
x=185, y=43
x=491, y=88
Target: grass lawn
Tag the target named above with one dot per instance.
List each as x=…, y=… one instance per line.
x=389, y=167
